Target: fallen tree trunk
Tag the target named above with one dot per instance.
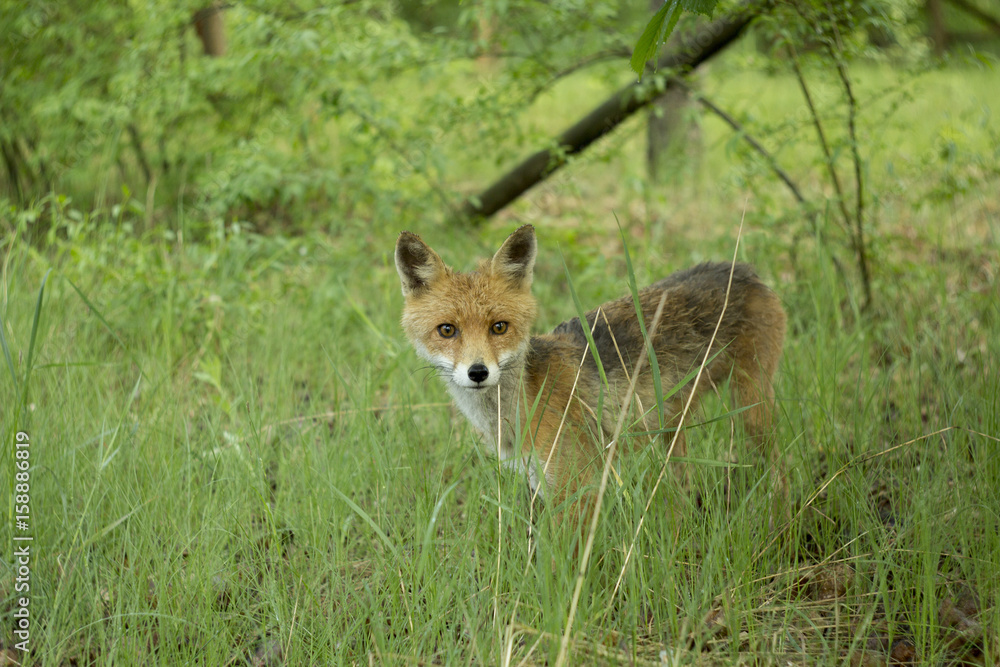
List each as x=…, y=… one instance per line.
x=710, y=40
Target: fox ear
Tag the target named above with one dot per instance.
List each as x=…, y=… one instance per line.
x=417, y=264
x=515, y=260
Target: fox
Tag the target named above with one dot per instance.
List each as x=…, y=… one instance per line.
x=535, y=398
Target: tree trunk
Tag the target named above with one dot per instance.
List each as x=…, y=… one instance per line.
x=669, y=130
x=211, y=30
x=938, y=29
x=486, y=28
x=668, y=134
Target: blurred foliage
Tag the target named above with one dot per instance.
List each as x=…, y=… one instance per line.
x=314, y=107
x=320, y=114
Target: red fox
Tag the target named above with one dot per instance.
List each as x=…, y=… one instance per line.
x=535, y=398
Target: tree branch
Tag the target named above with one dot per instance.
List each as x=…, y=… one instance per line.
x=860, y=246
x=772, y=162
x=972, y=10
x=710, y=40
x=821, y=135
x=140, y=153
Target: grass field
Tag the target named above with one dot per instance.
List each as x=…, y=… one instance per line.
x=237, y=459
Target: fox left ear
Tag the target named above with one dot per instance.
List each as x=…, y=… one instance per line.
x=515, y=260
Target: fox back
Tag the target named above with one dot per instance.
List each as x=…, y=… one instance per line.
x=544, y=391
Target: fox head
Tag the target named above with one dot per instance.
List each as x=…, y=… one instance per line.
x=472, y=327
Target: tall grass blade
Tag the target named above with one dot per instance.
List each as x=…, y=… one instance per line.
x=10, y=360
x=22, y=390
x=429, y=532
x=107, y=326
x=582, y=314
x=654, y=368
x=371, y=522
x=34, y=329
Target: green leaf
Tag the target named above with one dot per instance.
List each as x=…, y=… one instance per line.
x=657, y=30
x=662, y=25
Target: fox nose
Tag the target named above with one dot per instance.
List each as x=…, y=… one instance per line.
x=478, y=372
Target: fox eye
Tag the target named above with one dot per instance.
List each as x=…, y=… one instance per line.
x=446, y=330
x=499, y=328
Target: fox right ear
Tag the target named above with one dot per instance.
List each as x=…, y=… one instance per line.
x=515, y=260
x=418, y=266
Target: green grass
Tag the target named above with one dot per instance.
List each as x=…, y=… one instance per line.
x=237, y=458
